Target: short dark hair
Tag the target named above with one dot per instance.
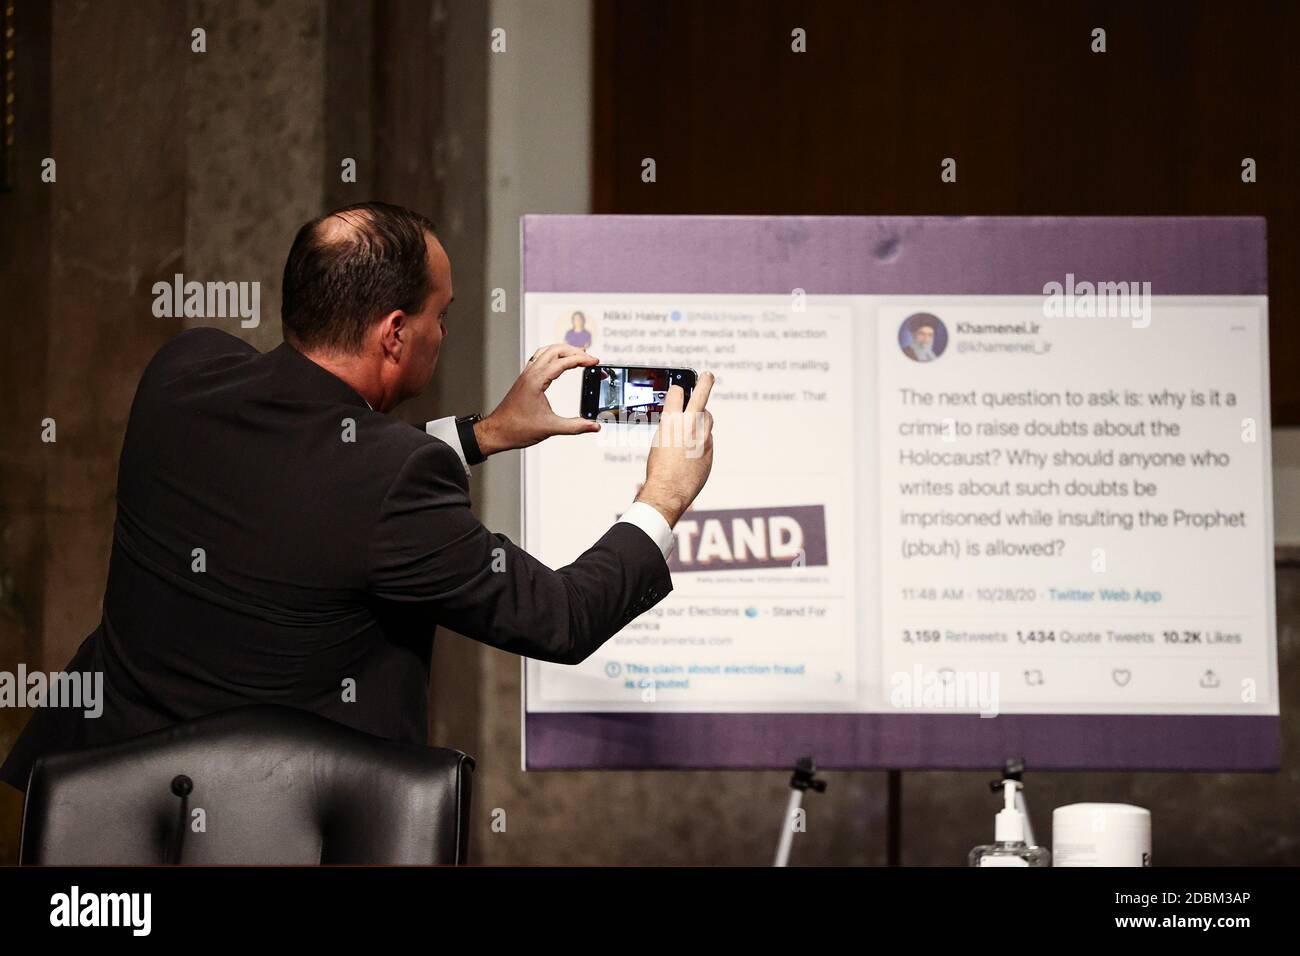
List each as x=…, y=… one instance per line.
x=348, y=268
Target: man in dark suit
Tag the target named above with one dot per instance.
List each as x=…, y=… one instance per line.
x=280, y=538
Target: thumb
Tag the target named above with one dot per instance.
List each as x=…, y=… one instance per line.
x=673, y=402
x=575, y=426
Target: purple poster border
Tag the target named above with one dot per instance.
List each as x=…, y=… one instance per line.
x=901, y=741
x=927, y=255
x=895, y=255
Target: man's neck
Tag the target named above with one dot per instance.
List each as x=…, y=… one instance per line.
x=356, y=372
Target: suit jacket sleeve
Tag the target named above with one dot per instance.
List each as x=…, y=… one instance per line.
x=430, y=554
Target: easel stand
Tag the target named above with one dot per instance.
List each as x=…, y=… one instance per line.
x=805, y=772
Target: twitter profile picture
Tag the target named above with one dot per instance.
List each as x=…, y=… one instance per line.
x=923, y=337
x=576, y=330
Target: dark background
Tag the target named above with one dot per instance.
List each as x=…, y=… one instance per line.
x=1039, y=124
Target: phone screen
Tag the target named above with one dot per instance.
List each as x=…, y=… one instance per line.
x=632, y=394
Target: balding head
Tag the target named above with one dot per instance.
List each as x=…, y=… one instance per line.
x=348, y=269
x=366, y=291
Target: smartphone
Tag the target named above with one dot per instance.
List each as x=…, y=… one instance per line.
x=632, y=394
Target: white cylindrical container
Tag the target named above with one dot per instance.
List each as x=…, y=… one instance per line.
x=1101, y=834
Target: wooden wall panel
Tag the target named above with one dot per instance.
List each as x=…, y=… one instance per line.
x=1038, y=124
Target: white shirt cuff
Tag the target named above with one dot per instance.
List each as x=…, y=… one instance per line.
x=648, y=519
x=445, y=428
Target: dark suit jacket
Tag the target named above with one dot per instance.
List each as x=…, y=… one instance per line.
x=323, y=560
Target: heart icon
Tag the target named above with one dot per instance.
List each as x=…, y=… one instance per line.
x=1121, y=676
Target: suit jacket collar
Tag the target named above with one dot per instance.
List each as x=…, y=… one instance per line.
x=302, y=374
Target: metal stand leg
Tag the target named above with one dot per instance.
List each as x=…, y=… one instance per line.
x=894, y=820
x=803, y=779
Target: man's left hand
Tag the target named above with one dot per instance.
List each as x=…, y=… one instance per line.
x=525, y=416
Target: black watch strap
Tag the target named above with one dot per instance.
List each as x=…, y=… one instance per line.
x=468, y=440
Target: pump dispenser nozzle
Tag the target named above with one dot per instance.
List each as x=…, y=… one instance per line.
x=1009, y=826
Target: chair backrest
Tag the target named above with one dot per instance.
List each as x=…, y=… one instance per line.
x=262, y=784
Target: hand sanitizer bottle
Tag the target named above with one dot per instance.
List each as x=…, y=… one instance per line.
x=1008, y=847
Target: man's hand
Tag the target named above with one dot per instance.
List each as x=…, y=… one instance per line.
x=524, y=416
x=682, y=453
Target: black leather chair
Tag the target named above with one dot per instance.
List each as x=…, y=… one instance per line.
x=274, y=784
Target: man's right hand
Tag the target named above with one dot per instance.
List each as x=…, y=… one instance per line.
x=682, y=452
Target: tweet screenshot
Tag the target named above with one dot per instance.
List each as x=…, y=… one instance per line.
x=928, y=503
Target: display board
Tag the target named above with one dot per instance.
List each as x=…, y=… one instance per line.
x=983, y=488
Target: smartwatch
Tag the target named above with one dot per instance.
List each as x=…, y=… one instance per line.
x=468, y=440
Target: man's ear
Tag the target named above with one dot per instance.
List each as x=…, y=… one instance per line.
x=392, y=333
